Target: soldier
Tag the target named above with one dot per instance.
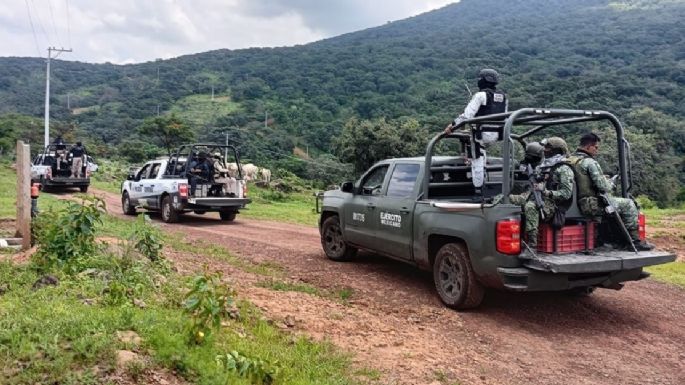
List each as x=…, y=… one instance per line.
x=488, y=100
x=592, y=183
x=221, y=175
x=77, y=152
x=200, y=171
x=556, y=187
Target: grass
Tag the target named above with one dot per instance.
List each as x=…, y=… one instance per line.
x=296, y=208
x=201, y=110
x=673, y=273
x=286, y=286
x=67, y=333
x=8, y=192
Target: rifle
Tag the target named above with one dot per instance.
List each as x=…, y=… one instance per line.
x=537, y=195
x=611, y=211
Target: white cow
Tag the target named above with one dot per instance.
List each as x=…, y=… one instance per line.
x=232, y=169
x=250, y=171
x=265, y=173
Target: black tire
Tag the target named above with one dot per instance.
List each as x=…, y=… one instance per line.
x=169, y=213
x=228, y=216
x=454, y=278
x=126, y=205
x=332, y=241
x=200, y=212
x=83, y=189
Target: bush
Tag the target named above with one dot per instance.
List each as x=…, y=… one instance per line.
x=67, y=235
x=645, y=202
x=207, y=303
x=146, y=238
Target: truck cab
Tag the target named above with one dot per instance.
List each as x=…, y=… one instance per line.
x=428, y=212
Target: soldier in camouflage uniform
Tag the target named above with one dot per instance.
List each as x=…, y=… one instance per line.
x=556, y=188
x=591, y=182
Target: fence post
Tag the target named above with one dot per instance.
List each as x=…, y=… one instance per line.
x=23, y=194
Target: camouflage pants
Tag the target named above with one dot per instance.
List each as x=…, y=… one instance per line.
x=625, y=207
x=532, y=214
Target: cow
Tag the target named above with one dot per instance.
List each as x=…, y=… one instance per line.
x=265, y=173
x=249, y=171
x=232, y=169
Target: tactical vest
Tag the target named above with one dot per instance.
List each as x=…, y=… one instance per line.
x=553, y=185
x=496, y=103
x=583, y=181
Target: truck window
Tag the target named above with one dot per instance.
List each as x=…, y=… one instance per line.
x=403, y=180
x=154, y=171
x=372, y=184
x=143, y=172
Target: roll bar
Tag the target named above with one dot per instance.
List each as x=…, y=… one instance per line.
x=541, y=118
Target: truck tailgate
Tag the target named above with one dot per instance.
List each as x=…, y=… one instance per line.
x=597, y=263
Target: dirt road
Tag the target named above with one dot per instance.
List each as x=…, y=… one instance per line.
x=395, y=323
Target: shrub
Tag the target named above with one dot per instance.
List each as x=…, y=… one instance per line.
x=257, y=371
x=207, y=303
x=68, y=234
x=645, y=202
x=146, y=238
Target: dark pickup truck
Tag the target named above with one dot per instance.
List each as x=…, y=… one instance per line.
x=426, y=211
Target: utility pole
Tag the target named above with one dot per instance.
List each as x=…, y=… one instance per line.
x=68, y=102
x=47, y=91
x=212, y=92
x=266, y=115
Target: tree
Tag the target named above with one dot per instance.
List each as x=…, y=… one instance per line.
x=168, y=131
x=366, y=142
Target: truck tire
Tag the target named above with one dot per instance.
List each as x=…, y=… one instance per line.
x=228, y=216
x=332, y=241
x=126, y=205
x=454, y=278
x=83, y=189
x=169, y=213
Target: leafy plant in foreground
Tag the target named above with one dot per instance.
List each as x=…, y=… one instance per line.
x=207, y=303
x=257, y=371
x=146, y=238
x=68, y=234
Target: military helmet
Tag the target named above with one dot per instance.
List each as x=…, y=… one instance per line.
x=556, y=143
x=489, y=75
x=534, y=149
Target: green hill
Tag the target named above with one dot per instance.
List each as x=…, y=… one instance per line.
x=592, y=54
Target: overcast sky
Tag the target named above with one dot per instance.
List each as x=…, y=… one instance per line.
x=134, y=31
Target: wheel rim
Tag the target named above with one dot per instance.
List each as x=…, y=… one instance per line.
x=451, y=277
x=333, y=240
x=126, y=204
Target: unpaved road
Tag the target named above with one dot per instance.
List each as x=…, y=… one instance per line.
x=396, y=324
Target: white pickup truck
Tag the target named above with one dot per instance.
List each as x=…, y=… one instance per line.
x=165, y=184
x=52, y=169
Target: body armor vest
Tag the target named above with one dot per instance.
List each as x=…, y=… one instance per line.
x=496, y=103
x=583, y=181
x=553, y=185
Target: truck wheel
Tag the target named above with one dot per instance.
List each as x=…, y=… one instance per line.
x=126, y=205
x=332, y=241
x=228, y=216
x=83, y=189
x=169, y=213
x=454, y=278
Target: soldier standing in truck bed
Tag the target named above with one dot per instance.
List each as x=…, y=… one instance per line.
x=77, y=152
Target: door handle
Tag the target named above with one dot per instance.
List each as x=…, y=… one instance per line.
x=404, y=211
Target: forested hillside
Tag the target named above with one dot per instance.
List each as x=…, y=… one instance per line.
x=624, y=56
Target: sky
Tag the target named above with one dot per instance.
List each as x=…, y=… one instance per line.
x=135, y=31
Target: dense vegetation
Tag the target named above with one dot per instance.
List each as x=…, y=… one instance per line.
x=623, y=56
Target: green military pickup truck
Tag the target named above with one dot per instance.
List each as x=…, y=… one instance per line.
x=426, y=211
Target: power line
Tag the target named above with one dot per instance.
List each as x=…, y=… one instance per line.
x=40, y=24
x=35, y=38
x=68, y=25
x=54, y=25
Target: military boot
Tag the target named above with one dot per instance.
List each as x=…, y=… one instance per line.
x=532, y=243
x=639, y=244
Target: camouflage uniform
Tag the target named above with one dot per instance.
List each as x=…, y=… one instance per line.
x=591, y=182
x=558, y=191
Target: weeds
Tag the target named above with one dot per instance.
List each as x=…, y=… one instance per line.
x=67, y=235
x=257, y=371
x=146, y=238
x=208, y=302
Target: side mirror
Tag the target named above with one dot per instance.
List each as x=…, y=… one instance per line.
x=347, y=187
x=131, y=177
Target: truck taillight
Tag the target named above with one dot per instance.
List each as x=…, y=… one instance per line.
x=49, y=173
x=183, y=190
x=642, y=226
x=244, y=189
x=509, y=236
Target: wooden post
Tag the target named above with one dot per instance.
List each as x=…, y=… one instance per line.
x=24, y=194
